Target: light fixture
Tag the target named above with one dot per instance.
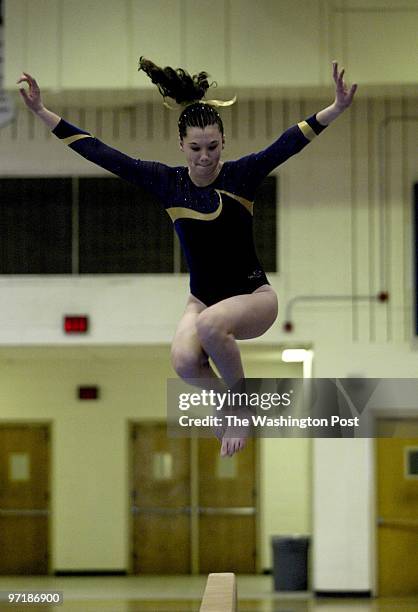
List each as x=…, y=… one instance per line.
x=294, y=355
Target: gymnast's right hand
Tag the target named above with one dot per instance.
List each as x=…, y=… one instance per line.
x=31, y=96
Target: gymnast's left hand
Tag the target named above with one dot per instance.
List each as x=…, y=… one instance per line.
x=343, y=95
x=31, y=97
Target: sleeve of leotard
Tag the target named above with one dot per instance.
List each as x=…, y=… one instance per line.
x=150, y=175
x=294, y=139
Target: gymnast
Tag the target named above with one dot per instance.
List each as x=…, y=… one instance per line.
x=211, y=204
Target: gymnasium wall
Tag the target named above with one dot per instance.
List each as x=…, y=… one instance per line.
x=279, y=43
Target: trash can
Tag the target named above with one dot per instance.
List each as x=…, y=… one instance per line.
x=290, y=563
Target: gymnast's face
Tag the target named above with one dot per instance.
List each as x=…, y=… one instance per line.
x=202, y=148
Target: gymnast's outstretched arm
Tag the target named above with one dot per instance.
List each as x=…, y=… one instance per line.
x=258, y=165
x=148, y=174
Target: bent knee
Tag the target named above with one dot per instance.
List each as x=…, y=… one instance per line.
x=210, y=325
x=187, y=364
x=275, y=306
x=271, y=306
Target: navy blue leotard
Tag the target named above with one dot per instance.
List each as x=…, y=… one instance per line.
x=214, y=223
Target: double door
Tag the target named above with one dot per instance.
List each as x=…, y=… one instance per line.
x=192, y=511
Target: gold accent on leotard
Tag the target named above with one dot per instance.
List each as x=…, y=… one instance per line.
x=72, y=139
x=180, y=212
x=306, y=130
x=246, y=203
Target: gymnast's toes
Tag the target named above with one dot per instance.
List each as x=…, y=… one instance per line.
x=230, y=446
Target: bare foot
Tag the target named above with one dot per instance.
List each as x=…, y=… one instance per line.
x=232, y=445
x=237, y=431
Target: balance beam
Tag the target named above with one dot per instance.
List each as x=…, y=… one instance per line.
x=220, y=594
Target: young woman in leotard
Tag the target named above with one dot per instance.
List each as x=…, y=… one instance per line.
x=210, y=203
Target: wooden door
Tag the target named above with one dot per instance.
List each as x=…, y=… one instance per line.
x=227, y=509
x=160, y=501
x=397, y=509
x=24, y=499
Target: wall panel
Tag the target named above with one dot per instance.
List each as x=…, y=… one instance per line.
x=205, y=39
x=44, y=60
x=274, y=43
x=94, y=44
x=391, y=34
x=15, y=41
x=157, y=33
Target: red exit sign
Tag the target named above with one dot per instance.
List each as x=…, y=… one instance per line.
x=76, y=324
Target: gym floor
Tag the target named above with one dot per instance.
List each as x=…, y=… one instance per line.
x=179, y=594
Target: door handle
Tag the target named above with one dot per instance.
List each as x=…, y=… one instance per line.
x=161, y=511
x=23, y=512
x=248, y=511
x=396, y=522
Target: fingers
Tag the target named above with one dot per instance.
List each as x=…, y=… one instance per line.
x=340, y=80
x=22, y=90
x=338, y=76
x=31, y=95
x=352, y=91
x=21, y=82
x=344, y=95
x=25, y=77
x=23, y=93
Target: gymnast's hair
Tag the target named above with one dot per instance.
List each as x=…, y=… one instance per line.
x=186, y=90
